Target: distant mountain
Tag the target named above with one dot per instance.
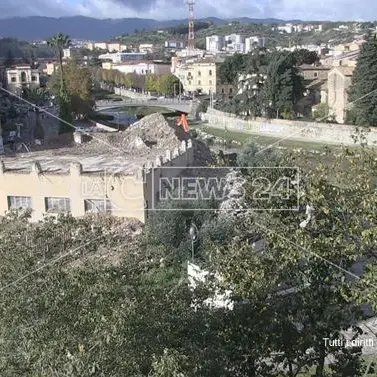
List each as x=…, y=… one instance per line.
x=36, y=28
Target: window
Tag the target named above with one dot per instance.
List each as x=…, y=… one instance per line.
x=210, y=72
x=199, y=73
x=58, y=205
x=210, y=82
x=97, y=205
x=230, y=90
x=23, y=77
x=17, y=202
x=315, y=74
x=199, y=82
x=33, y=78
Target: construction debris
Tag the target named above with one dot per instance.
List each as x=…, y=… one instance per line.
x=151, y=132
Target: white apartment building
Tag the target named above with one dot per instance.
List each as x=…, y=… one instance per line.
x=110, y=47
x=186, y=53
x=287, y=28
x=143, y=67
x=20, y=77
x=215, y=43
x=147, y=48
x=174, y=44
x=119, y=57
x=235, y=43
x=69, y=53
x=252, y=42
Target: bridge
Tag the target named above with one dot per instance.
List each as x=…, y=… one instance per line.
x=173, y=104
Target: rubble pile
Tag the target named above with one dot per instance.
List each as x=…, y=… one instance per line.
x=235, y=204
x=151, y=132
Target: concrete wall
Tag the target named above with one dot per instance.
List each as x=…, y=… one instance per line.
x=127, y=194
x=168, y=166
x=104, y=127
x=294, y=130
x=124, y=92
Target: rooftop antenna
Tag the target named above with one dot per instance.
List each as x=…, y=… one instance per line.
x=191, y=32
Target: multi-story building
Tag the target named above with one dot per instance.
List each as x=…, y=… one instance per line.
x=119, y=57
x=147, y=48
x=69, y=53
x=190, y=53
x=315, y=80
x=287, y=28
x=114, y=47
x=346, y=47
x=199, y=75
x=338, y=82
x=108, y=46
x=252, y=42
x=215, y=43
x=174, y=45
x=235, y=43
x=143, y=67
x=20, y=77
x=123, y=186
x=51, y=68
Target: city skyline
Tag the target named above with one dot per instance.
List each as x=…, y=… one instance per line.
x=332, y=10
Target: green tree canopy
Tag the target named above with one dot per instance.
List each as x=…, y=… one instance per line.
x=363, y=91
x=284, y=86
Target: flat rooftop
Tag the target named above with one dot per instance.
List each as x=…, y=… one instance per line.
x=60, y=160
x=122, y=153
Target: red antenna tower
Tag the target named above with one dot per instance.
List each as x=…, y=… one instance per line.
x=191, y=32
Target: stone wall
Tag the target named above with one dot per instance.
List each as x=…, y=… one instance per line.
x=324, y=133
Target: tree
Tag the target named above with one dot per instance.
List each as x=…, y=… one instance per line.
x=304, y=56
x=363, y=90
x=152, y=84
x=38, y=97
x=231, y=68
x=301, y=268
x=168, y=85
x=79, y=87
x=9, y=61
x=284, y=86
x=59, y=42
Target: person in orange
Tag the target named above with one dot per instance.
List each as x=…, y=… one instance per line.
x=182, y=121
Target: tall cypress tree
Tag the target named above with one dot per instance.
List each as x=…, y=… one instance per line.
x=363, y=90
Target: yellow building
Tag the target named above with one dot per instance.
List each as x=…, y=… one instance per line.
x=107, y=65
x=125, y=186
x=198, y=75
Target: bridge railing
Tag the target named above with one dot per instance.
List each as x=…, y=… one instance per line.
x=167, y=101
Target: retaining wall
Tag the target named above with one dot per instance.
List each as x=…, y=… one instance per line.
x=294, y=130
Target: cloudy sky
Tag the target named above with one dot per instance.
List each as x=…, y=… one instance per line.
x=362, y=10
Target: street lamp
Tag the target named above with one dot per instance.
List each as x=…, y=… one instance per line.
x=194, y=235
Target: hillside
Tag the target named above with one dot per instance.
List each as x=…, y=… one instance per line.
x=34, y=28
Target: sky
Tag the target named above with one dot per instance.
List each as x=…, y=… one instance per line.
x=322, y=10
